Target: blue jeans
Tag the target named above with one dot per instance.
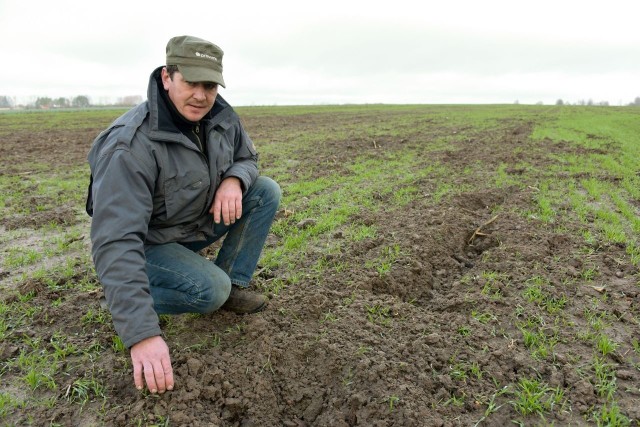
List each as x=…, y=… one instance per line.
x=182, y=281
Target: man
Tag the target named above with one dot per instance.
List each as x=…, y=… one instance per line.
x=169, y=178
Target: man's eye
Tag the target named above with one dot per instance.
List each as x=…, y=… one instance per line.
x=210, y=86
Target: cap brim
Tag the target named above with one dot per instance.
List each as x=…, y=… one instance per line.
x=195, y=74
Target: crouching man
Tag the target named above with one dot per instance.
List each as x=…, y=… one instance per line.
x=169, y=178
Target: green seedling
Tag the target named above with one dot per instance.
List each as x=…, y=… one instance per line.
x=117, y=345
x=62, y=348
x=378, y=314
x=589, y=274
x=611, y=416
x=84, y=390
x=215, y=340
x=348, y=379
x=492, y=406
x=535, y=397
x=475, y=370
x=383, y=263
x=35, y=378
x=7, y=403
x=457, y=401
x=20, y=257
x=464, y=331
x=458, y=372
x=605, y=378
x=363, y=350
x=329, y=317
x=238, y=328
x=605, y=345
x=96, y=316
x=538, y=341
x=393, y=402
x=484, y=317
x=597, y=320
x=361, y=232
x=267, y=365
x=4, y=327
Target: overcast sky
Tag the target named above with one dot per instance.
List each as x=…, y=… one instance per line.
x=280, y=52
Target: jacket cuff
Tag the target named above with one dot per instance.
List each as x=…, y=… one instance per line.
x=131, y=341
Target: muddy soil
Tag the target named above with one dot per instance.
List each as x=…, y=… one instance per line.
x=431, y=343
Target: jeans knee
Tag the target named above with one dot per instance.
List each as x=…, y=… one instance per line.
x=272, y=193
x=213, y=296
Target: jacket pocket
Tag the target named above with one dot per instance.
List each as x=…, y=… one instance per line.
x=186, y=196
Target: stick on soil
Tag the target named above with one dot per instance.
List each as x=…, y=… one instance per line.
x=478, y=231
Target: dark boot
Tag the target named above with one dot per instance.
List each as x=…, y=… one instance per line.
x=244, y=301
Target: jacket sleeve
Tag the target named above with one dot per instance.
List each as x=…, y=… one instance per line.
x=122, y=194
x=245, y=158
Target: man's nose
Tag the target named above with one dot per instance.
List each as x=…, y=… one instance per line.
x=199, y=92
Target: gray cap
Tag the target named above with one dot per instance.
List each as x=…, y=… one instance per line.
x=198, y=60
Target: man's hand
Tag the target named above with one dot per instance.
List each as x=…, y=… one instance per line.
x=151, y=358
x=227, y=203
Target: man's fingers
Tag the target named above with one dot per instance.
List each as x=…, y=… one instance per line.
x=238, y=208
x=215, y=210
x=137, y=376
x=226, y=213
x=158, y=374
x=151, y=362
x=168, y=373
x=150, y=378
x=227, y=203
x=233, y=212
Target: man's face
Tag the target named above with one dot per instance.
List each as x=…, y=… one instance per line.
x=192, y=99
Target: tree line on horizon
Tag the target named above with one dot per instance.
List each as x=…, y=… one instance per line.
x=83, y=101
x=80, y=101
x=635, y=102
x=589, y=102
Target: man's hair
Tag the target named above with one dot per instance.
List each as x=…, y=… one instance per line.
x=171, y=70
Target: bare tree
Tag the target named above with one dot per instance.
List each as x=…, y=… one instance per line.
x=5, y=102
x=61, y=103
x=130, y=100
x=44, y=102
x=80, y=101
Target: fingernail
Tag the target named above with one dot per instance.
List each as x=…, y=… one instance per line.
x=154, y=391
x=170, y=387
x=139, y=387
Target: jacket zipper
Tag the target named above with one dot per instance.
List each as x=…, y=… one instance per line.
x=196, y=132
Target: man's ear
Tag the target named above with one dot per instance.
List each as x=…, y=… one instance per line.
x=166, y=78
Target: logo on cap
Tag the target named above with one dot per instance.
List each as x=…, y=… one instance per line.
x=204, y=55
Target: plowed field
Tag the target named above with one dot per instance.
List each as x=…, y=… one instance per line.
x=429, y=266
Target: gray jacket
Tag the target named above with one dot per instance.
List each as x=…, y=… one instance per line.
x=152, y=185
